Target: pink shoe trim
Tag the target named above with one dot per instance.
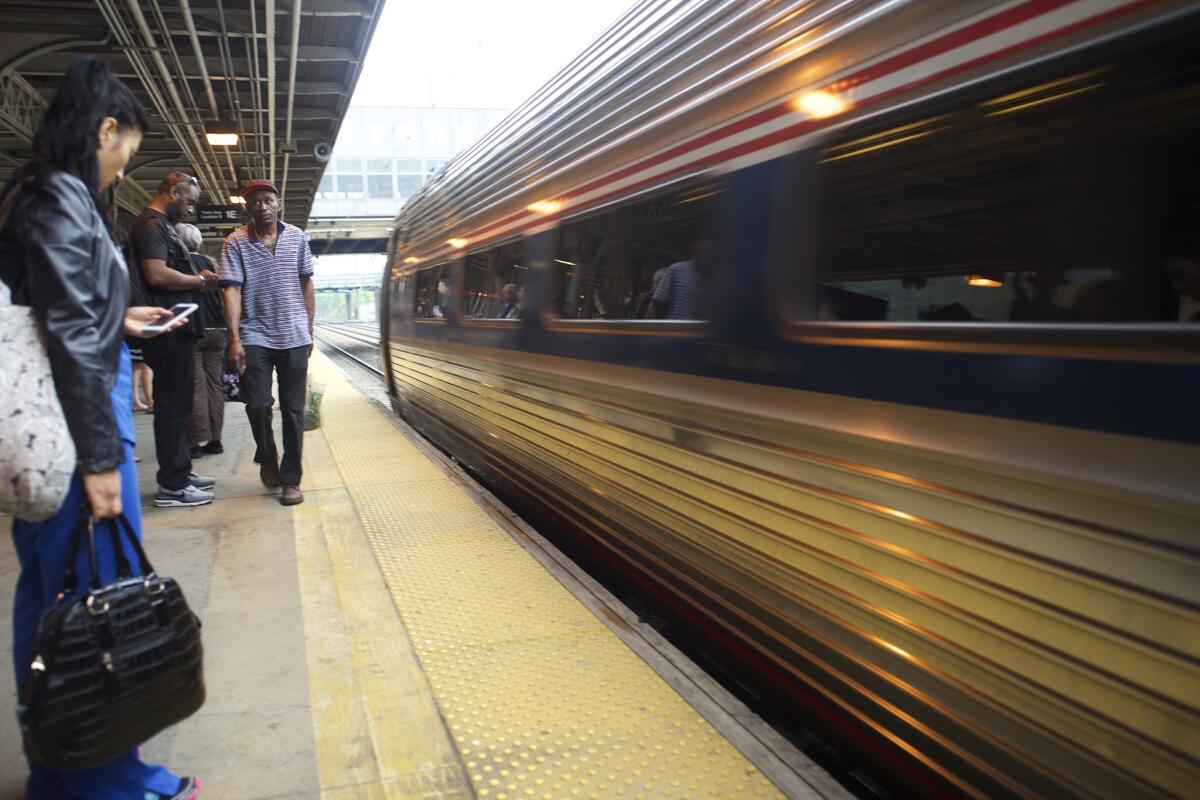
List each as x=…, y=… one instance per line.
x=193, y=790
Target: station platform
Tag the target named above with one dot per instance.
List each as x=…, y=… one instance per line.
x=401, y=635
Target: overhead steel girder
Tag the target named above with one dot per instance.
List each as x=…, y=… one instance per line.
x=40, y=38
x=21, y=105
x=49, y=77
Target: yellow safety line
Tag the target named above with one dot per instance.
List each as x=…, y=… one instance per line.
x=541, y=699
x=378, y=731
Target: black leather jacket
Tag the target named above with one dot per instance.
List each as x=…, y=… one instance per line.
x=57, y=256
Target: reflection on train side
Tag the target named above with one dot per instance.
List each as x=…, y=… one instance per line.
x=1072, y=200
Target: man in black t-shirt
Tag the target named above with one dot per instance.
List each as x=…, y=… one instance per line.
x=167, y=277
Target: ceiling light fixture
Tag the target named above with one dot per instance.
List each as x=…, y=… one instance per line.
x=221, y=133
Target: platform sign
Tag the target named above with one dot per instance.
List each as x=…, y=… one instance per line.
x=218, y=215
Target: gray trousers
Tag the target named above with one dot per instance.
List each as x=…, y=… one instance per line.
x=208, y=395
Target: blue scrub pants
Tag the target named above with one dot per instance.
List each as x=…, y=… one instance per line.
x=42, y=549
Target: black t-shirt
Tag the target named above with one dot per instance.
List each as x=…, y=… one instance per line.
x=211, y=306
x=152, y=236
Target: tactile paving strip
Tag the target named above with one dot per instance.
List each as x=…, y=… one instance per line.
x=542, y=700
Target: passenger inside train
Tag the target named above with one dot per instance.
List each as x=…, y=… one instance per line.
x=509, y=306
x=684, y=292
x=441, y=306
x=428, y=283
x=1000, y=211
x=649, y=260
x=495, y=279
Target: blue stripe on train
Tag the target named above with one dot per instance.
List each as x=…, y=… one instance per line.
x=1138, y=399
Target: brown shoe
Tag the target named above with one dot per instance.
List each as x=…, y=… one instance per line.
x=291, y=496
x=268, y=471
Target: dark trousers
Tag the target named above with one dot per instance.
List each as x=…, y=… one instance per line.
x=172, y=358
x=292, y=367
x=208, y=400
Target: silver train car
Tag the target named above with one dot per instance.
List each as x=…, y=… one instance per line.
x=864, y=336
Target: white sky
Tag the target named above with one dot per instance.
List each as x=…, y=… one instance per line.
x=472, y=54
x=476, y=53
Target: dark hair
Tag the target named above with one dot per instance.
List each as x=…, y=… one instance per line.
x=177, y=178
x=67, y=137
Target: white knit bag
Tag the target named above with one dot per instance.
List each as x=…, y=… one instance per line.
x=37, y=454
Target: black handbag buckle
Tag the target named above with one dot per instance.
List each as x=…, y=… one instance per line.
x=91, y=606
x=157, y=588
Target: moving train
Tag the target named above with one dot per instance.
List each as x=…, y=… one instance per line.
x=864, y=336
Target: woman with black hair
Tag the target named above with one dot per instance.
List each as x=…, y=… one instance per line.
x=57, y=255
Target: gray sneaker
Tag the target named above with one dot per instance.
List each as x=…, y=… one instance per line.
x=200, y=481
x=187, y=496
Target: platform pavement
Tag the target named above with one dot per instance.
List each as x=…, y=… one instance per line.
x=236, y=562
x=315, y=689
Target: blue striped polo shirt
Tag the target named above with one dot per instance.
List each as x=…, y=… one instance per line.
x=273, y=310
x=680, y=291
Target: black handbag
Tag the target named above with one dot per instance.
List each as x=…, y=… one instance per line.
x=111, y=667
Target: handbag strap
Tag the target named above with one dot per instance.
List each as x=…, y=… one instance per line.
x=85, y=530
x=6, y=206
x=10, y=199
x=125, y=525
x=123, y=568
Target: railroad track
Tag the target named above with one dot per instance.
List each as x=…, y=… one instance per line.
x=326, y=333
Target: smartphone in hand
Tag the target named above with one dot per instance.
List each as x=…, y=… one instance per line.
x=178, y=311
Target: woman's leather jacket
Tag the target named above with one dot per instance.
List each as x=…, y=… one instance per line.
x=57, y=256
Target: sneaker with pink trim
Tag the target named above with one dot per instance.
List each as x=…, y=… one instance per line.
x=189, y=788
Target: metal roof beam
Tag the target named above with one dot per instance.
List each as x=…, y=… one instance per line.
x=337, y=8
x=49, y=78
x=320, y=8
x=38, y=26
x=319, y=52
x=39, y=40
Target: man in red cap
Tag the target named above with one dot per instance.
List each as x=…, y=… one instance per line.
x=266, y=274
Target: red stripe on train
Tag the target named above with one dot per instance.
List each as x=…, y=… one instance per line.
x=935, y=47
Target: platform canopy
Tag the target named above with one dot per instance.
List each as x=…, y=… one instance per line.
x=279, y=74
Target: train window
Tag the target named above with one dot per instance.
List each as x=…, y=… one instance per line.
x=495, y=282
x=653, y=259
x=1071, y=198
x=433, y=293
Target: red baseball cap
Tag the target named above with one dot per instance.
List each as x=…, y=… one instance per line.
x=258, y=186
